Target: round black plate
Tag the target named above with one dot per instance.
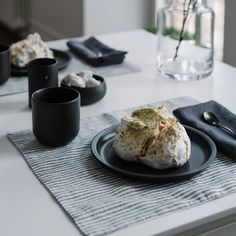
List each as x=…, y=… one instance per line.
x=62, y=57
x=203, y=153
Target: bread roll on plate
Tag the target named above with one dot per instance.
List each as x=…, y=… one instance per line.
x=153, y=137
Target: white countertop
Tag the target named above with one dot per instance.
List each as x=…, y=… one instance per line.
x=27, y=208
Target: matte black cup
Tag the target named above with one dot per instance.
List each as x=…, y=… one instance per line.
x=5, y=63
x=56, y=115
x=42, y=73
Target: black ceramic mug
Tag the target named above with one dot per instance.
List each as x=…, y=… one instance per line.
x=56, y=115
x=5, y=63
x=42, y=73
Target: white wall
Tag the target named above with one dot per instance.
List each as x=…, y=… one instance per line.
x=103, y=16
x=219, y=9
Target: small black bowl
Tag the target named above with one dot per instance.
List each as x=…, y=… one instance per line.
x=91, y=95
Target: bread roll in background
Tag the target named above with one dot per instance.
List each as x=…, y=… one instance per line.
x=153, y=137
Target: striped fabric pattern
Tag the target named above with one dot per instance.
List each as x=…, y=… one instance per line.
x=101, y=202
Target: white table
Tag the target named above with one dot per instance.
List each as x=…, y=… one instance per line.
x=26, y=207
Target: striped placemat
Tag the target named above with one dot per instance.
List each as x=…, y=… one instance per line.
x=101, y=202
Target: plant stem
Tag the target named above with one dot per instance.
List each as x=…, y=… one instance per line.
x=185, y=17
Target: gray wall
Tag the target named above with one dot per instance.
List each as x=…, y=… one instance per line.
x=230, y=33
x=56, y=19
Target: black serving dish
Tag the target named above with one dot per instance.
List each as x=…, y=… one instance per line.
x=203, y=153
x=91, y=95
x=63, y=58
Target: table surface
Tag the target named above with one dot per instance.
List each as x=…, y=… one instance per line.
x=27, y=208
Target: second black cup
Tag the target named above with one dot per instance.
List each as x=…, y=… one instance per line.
x=56, y=115
x=42, y=73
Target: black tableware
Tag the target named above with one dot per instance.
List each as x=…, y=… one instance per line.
x=212, y=119
x=203, y=153
x=93, y=94
x=5, y=63
x=63, y=58
x=42, y=73
x=56, y=115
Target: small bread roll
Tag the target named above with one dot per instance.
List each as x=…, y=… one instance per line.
x=74, y=80
x=86, y=75
x=23, y=51
x=153, y=137
x=92, y=83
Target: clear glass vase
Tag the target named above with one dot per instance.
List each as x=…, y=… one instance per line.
x=185, y=40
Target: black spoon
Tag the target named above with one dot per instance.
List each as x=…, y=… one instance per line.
x=212, y=119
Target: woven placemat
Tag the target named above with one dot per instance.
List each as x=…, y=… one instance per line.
x=101, y=202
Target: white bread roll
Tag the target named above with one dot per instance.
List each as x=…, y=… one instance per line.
x=153, y=137
x=22, y=52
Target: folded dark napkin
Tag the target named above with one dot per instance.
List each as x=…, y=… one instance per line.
x=96, y=53
x=192, y=116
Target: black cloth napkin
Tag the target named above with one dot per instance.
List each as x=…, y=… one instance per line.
x=96, y=53
x=192, y=116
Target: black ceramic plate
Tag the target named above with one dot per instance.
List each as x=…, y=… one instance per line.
x=62, y=57
x=203, y=153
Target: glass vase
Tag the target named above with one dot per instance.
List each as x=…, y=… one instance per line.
x=185, y=40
